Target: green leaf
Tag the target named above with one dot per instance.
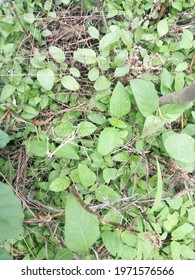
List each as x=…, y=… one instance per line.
x=119, y=101
x=11, y=214
x=109, y=40
x=108, y=140
x=127, y=38
x=171, y=112
x=181, y=232
x=93, y=74
x=86, y=56
x=109, y=174
x=162, y=27
x=117, y=123
x=180, y=147
x=36, y=147
x=64, y=254
x=181, y=67
x=64, y=129
x=4, y=139
x=81, y=227
x=87, y=176
x=86, y=128
x=96, y=118
x=104, y=193
x=175, y=250
x=93, y=32
x=121, y=71
x=166, y=81
x=121, y=157
x=29, y=17
x=102, y=83
x=59, y=184
x=7, y=91
x=70, y=83
x=67, y=151
x=112, y=242
x=145, y=96
x=187, y=252
x=159, y=188
x=191, y=215
x=57, y=54
x=175, y=203
x=46, y=78
x=153, y=126
x=4, y=255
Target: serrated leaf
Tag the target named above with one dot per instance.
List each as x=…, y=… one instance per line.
x=162, y=27
x=57, y=54
x=36, y=147
x=64, y=129
x=67, y=151
x=87, y=176
x=59, y=184
x=46, y=78
x=180, y=147
x=86, y=56
x=86, y=128
x=81, y=227
x=4, y=139
x=11, y=214
x=7, y=91
x=108, y=140
x=119, y=101
x=145, y=96
x=70, y=83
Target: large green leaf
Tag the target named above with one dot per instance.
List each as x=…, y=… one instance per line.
x=180, y=147
x=86, y=128
x=145, y=96
x=108, y=140
x=87, y=176
x=59, y=184
x=102, y=83
x=11, y=214
x=119, y=101
x=46, y=78
x=81, y=227
x=180, y=232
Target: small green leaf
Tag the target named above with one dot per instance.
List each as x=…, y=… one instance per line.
x=159, y=188
x=109, y=174
x=108, y=140
x=57, y=54
x=102, y=83
x=7, y=91
x=109, y=40
x=93, y=32
x=93, y=74
x=145, y=96
x=181, y=232
x=127, y=38
x=81, y=227
x=181, y=67
x=104, y=193
x=59, y=184
x=87, y=176
x=4, y=139
x=46, y=78
x=191, y=215
x=187, y=252
x=86, y=128
x=29, y=17
x=86, y=56
x=36, y=148
x=119, y=101
x=175, y=250
x=162, y=27
x=70, y=83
